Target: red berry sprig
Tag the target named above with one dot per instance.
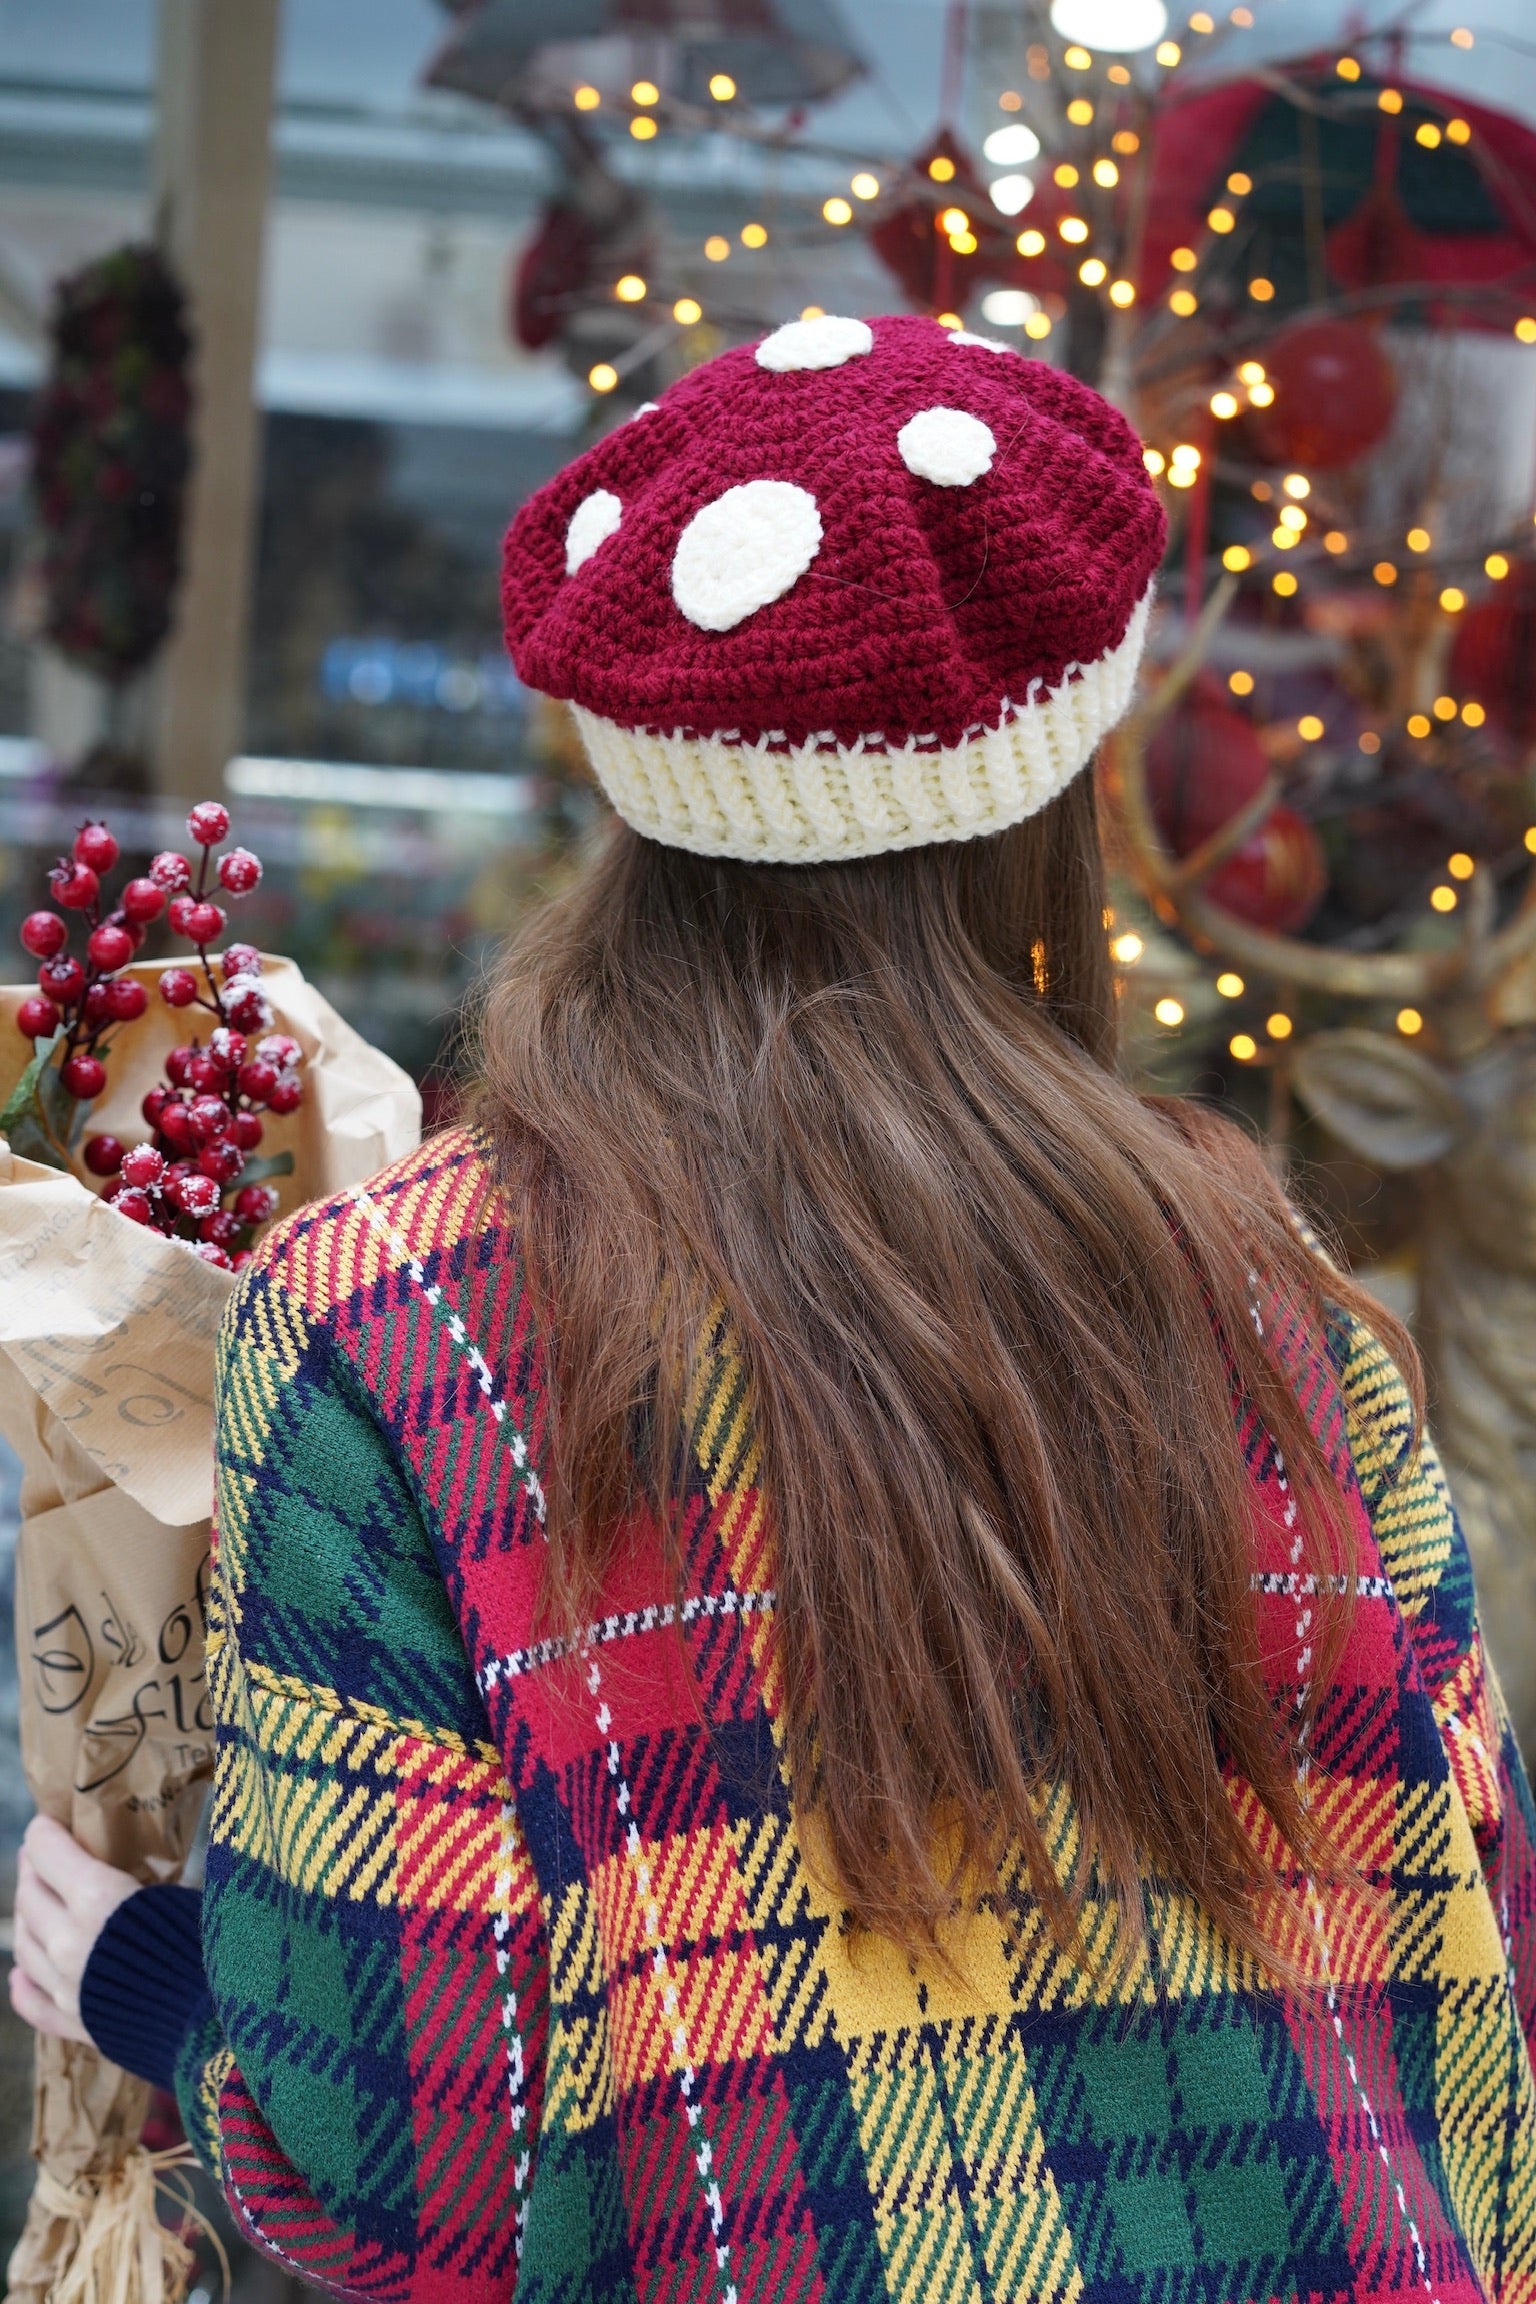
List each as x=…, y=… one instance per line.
x=186, y=1182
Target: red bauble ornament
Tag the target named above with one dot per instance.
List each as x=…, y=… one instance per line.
x=1278, y=877
x=103, y=1155
x=1494, y=658
x=1203, y=765
x=1335, y=394
x=44, y=935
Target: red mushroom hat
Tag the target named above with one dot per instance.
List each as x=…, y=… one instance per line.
x=862, y=586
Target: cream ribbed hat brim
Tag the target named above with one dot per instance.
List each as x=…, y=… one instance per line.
x=825, y=803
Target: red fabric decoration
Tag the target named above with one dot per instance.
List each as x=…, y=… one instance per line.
x=923, y=608
x=908, y=241
x=554, y=268
x=1335, y=394
x=1203, y=765
x=1494, y=658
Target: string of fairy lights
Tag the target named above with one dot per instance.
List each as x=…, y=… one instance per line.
x=1099, y=114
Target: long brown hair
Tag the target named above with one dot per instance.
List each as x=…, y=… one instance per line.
x=993, y=1307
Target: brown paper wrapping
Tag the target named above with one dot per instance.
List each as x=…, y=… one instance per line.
x=107, y=1335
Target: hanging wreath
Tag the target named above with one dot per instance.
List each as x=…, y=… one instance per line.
x=111, y=452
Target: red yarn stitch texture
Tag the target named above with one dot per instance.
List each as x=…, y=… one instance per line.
x=925, y=607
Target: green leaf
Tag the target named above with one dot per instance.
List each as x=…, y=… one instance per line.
x=24, y=1095
x=258, y=1171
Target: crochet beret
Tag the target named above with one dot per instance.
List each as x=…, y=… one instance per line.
x=865, y=585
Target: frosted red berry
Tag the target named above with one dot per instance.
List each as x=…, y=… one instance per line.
x=84, y=1077
x=176, y=1126
x=103, y=1155
x=281, y=1049
x=43, y=934
x=109, y=946
x=205, y=923
x=247, y=1131
x=254, y=1203
x=75, y=886
x=62, y=979
x=241, y=960
x=222, y=1160
x=143, y=900
x=136, y=1206
x=287, y=1094
x=208, y=823
x=195, y=1195
x=37, y=1018
x=222, y=1228
x=204, y=1074
x=208, y=1118
x=95, y=846
x=178, y=987
x=246, y=1005
x=126, y=999
x=170, y=871
x=178, y=1065
x=97, y=1005
x=227, y=1048
x=143, y=1166
x=212, y=1255
x=239, y=871
x=178, y=912
x=154, y=1104
x=258, y=1078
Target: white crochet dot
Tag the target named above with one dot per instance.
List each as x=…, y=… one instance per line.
x=823, y=343
x=946, y=446
x=592, y=523
x=981, y=343
x=743, y=550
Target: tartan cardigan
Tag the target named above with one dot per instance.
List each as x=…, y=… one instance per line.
x=521, y=1980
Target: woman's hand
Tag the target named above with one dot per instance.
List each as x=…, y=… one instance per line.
x=63, y=1898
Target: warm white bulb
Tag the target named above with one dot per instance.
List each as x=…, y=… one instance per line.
x=1012, y=194
x=1009, y=307
x=1012, y=146
x=1120, y=26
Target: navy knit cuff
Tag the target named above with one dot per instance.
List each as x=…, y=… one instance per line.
x=144, y=1986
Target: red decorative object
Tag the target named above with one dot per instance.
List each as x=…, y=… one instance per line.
x=1278, y=877
x=111, y=454
x=209, y=1102
x=910, y=240
x=1494, y=658
x=1335, y=394
x=1453, y=225
x=1203, y=765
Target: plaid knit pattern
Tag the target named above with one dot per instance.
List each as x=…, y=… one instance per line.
x=523, y=1980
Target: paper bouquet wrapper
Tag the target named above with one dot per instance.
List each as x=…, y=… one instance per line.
x=107, y=1337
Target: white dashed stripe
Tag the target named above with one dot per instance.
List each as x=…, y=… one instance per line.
x=656, y=1618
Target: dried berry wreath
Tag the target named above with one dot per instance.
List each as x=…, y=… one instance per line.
x=110, y=449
